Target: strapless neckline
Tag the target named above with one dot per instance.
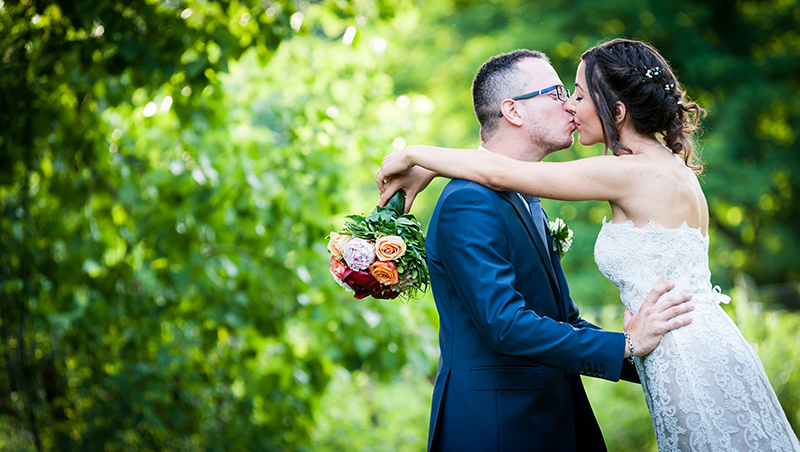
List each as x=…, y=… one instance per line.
x=651, y=225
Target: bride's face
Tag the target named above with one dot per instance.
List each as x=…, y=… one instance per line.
x=587, y=121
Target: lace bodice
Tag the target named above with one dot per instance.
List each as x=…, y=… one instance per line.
x=636, y=259
x=705, y=387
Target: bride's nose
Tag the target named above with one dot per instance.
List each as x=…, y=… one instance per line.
x=569, y=105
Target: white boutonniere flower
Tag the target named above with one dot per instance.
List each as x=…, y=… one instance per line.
x=562, y=236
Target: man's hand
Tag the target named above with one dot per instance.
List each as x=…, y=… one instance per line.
x=653, y=320
x=413, y=181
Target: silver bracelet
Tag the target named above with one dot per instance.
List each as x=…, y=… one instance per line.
x=630, y=345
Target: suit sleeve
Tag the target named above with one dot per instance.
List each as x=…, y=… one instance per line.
x=473, y=244
x=628, y=371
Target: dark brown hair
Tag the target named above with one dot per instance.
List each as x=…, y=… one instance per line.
x=635, y=74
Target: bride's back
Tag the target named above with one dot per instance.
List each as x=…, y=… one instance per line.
x=663, y=191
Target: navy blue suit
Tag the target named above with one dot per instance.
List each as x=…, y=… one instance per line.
x=511, y=340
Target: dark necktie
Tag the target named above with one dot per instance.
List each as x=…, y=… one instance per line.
x=538, y=215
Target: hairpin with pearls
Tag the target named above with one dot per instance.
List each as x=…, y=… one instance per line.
x=654, y=71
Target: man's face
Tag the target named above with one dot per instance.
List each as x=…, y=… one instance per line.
x=549, y=125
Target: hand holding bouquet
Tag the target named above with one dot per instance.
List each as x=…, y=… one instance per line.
x=382, y=255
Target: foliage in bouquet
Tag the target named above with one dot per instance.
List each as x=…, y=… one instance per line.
x=382, y=255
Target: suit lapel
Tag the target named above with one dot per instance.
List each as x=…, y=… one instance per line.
x=542, y=248
x=562, y=306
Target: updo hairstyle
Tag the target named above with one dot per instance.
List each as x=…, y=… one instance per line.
x=635, y=74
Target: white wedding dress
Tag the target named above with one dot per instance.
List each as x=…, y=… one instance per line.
x=704, y=384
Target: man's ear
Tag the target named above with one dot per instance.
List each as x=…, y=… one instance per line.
x=620, y=113
x=509, y=109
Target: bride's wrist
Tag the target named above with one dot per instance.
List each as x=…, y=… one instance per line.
x=411, y=157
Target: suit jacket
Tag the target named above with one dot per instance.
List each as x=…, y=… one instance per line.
x=511, y=339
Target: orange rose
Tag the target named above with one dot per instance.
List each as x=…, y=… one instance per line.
x=384, y=272
x=337, y=242
x=389, y=247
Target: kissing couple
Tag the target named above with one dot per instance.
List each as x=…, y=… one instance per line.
x=513, y=345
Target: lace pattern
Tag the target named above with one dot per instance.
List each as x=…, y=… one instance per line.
x=705, y=386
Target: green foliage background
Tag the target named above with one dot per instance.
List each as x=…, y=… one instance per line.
x=169, y=170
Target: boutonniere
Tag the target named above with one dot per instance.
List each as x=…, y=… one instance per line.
x=562, y=236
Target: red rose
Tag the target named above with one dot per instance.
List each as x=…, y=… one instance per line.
x=363, y=284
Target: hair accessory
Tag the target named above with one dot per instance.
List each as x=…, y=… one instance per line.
x=669, y=86
x=680, y=102
x=654, y=71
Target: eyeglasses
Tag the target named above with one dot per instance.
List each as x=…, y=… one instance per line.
x=562, y=93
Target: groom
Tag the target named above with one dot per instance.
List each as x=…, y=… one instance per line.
x=512, y=342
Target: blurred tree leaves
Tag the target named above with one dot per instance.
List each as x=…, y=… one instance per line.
x=164, y=199
x=168, y=170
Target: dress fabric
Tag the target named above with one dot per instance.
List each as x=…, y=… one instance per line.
x=705, y=386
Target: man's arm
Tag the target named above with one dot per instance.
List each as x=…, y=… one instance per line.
x=474, y=250
x=473, y=244
x=646, y=328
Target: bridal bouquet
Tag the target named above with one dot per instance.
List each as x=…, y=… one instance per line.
x=382, y=255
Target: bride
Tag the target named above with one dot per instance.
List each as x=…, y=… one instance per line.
x=705, y=387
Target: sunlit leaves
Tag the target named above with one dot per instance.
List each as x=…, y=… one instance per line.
x=168, y=171
x=173, y=231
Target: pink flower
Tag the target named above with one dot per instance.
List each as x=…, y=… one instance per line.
x=358, y=254
x=337, y=270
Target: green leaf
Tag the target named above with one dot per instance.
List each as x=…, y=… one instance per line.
x=397, y=202
x=406, y=221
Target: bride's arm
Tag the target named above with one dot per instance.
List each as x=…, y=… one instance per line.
x=603, y=178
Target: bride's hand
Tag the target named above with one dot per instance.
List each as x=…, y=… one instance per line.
x=653, y=320
x=394, y=163
x=398, y=172
x=411, y=181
